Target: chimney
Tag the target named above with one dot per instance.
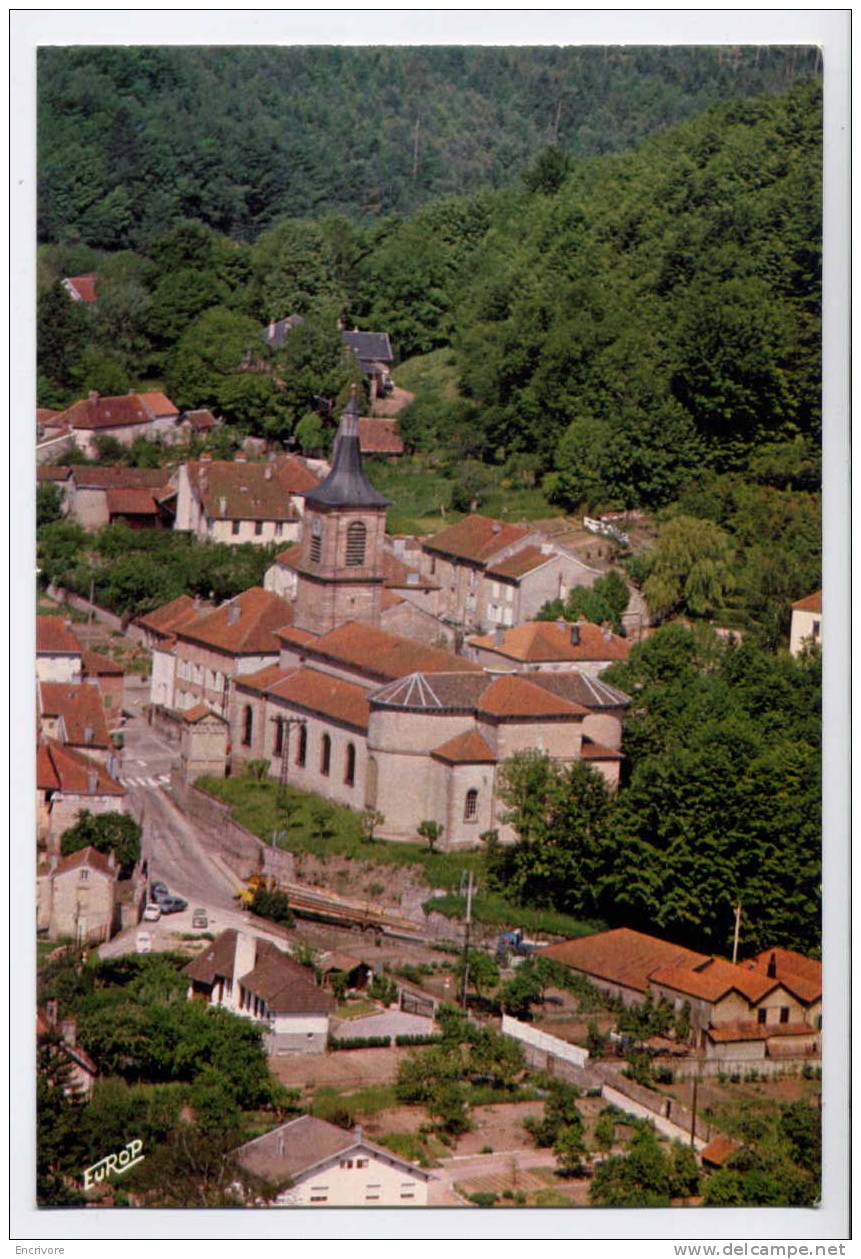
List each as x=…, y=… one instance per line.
x=112, y=861
x=88, y=734
x=196, y=602
x=358, y=1133
x=52, y=1012
x=246, y=954
x=772, y=966
x=498, y=636
x=206, y=457
x=233, y=613
x=92, y=782
x=69, y=1030
x=497, y=527
x=240, y=457
x=93, y=395
x=575, y=634
x=222, y=506
x=267, y=472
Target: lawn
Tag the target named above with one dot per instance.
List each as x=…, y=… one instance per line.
x=421, y=495
x=435, y=372
x=371, y=1100
x=255, y=805
x=496, y=911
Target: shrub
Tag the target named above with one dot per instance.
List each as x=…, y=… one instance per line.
x=360, y=1042
x=487, y=1149
x=404, y=1038
x=383, y=989
x=272, y=904
x=484, y=1199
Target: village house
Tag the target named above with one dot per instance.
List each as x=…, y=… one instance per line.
x=100, y=496
x=252, y=977
x=492, y=573
x=124, y=418
x=82, y=288
x=277, y=330
x=154, y=628
x=67, y=782
x=746, y=1011
x=806, y=625
x=196, y=665
x=106, y=674
x=54, y=437
x=380, y=437
x=64, y=1033
x=373, y=353
x=76, y=897
x=318, y=1164
x=59, y=475
x=198, y=423
x=58, y=652
x=202, y=743
x=238, y=501
x=550, y=645
x=73, y=714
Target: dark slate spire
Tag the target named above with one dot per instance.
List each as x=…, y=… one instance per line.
x=346, y=485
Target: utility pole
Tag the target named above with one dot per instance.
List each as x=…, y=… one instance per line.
x=735, y=936
x=92, y=597
x=694, y=1113
x=467, y=925
x=286, y=723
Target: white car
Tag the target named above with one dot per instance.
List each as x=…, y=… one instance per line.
x=152, y=913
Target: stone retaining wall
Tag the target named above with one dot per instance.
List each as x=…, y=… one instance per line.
x=244, y=852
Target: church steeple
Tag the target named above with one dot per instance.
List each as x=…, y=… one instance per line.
x=340, y=572
x=346, y=485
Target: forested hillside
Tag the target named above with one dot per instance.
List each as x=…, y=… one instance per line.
x=133, y=140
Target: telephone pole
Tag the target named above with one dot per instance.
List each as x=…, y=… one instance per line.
x=467, y=925
x=735, y=936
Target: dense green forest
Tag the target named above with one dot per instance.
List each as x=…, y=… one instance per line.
x=134, y=140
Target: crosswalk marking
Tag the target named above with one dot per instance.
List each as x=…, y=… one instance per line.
x=128, y=781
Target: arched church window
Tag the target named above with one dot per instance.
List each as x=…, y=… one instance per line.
x=356, y=537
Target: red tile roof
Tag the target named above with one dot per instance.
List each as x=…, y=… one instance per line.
x=758, y=1031
x=719, y=1150
x=88, y=856
x=44, y=415
x=800, y=975
x=130, y=502
x=197, y=713
x=61, y=768
x=513, y=696
x=714, y=980
x=84, y=285
x=470, y=748
x=396, y=575
x=244, y=626
x=380, y=437
x=54, y=637
x=158, y=404
x=200, y=420
x=170, y=616
x=117, y=412
x=592, y=751
x=810, y=603
x=251, y=491
x=52, y=472
x=538, y=641
x=289, y=558
x=315, y=692
x=96, y=665
x=520, y=563
x=114, y=477
x=80, y=706
x=622, y=956
x=476, y=538
x=383, y=656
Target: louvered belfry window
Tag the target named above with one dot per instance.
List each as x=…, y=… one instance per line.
x=316, y=539
x=356, y=536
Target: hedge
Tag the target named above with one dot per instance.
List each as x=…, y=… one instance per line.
x=360, y=1042
x=430, y=1038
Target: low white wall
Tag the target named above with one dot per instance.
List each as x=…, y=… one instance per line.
x=542, y=1040
x=662, y=1124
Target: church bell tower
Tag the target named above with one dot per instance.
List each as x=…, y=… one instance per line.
x=340, y=571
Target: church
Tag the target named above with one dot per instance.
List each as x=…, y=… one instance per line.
x=364, y=717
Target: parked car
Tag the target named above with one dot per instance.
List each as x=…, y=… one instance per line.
x=172, y=904
x=157, y=890
x=199, y=919
x=152, y=913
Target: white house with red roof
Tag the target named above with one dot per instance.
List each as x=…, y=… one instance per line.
x=806, y=625
x=236, y=501
x=124, y=418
